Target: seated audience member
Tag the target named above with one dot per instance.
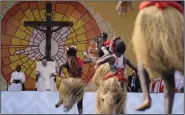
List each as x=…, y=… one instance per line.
x=157, y=86
x=17, y=80
x=134, y=84
x=179, y=81
x=46, y=77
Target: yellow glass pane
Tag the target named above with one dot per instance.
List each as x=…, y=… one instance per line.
x=14, y=58
x=22, y=27
x=28, y=71
x=12, y=51
x=71, y=35
x=33, y=66
x=24, y=42
x=81, y=38
x=65, y=18
x=28, y=32
x=72, y=19
x=26, y=65
x=23, y=69
x=33, y=74
x=31, y=29
x=36, y=13
x=24, y=19
x=79, y=54
x=42, y=14
x=14, y=64
x=21, y=56
x=71, y=30
x=29, y=62
x=81, y=47
x=74, y=39
x=24, y=59
x=29, y=14
x=20, y=34
x=69, y=41
x=27, y=37
x=58, y=17
x=16, y=41
x=80, y=31
x=78, y=24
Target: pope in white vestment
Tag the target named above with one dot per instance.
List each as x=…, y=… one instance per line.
x=17, y=80
x=46, y=73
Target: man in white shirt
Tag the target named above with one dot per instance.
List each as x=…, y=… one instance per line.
x=17, y=80
x=46, y=76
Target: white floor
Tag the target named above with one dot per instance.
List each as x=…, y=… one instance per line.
x=44, y=103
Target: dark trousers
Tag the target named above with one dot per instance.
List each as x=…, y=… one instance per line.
x=80, y=104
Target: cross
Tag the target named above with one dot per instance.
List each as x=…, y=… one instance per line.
x=48, y=24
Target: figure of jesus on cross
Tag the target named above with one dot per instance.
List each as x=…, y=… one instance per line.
x=47, y=25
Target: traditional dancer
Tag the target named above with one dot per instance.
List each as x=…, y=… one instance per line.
x=74, y=66
x=117, y=58
x=112, y=90
x=98, y=50
x=159, y=47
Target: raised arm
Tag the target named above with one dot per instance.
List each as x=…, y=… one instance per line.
x=56, y=29
x=40, y=29
x=105, y=51
x=129, y=63
x=108, y=58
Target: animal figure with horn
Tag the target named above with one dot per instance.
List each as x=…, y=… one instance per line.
x=111, y=81
x=159, y=47
x=72, y=89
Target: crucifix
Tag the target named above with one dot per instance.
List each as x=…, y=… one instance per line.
x=48, y=25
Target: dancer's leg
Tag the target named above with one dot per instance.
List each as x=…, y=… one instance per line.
x=59, y=103
x=80, y=106
x=145, y=82
x=169, y=91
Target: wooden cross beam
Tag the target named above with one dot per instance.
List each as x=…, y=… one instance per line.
x=48, y=25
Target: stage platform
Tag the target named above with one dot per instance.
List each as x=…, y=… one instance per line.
x=30, y=102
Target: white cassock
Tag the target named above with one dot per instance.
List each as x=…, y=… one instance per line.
x=16, y=86
x=179, y=80
x=46, y=80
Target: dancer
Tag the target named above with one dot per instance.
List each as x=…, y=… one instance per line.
x=74, y=66
x=159, y=47
x=105, y=47
x=117, y=60
x=99, y=44
x=111, y=81
x=123, y=7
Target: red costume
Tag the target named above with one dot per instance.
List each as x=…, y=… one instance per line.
x=118, y=73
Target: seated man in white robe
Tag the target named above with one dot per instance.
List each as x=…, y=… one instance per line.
x=46, y=76
x=17, y=80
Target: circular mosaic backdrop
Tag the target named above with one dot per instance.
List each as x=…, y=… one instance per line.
x=25, y=45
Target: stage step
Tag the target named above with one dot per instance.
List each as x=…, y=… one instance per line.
x=32, y=102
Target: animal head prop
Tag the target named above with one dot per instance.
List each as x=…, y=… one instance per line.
x=71, y=51
x=111, y=97
x=158, y=37
x=71, y=91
